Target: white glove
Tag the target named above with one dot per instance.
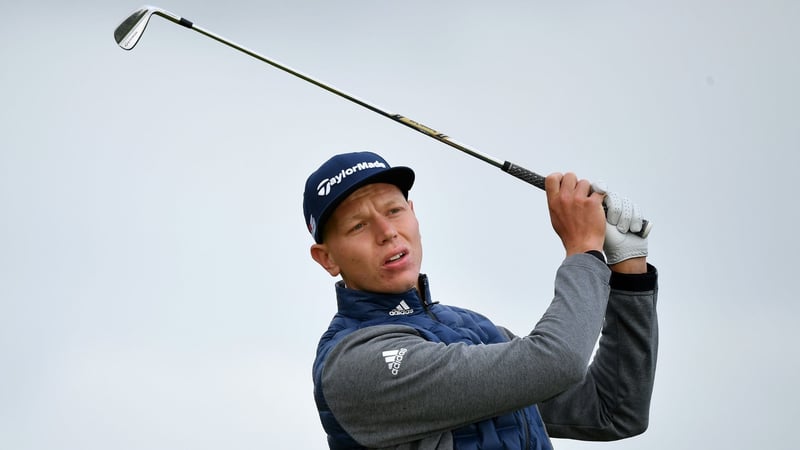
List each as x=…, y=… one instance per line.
x=623, y=219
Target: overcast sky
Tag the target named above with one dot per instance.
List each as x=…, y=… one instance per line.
x=156, y=290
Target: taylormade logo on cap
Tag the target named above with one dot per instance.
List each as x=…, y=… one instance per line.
x=324, y=187
x=342, y=175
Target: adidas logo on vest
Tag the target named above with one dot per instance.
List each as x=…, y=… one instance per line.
x=401, y=310
x=394, y=358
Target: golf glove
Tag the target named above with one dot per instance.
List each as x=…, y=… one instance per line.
x=623, y=219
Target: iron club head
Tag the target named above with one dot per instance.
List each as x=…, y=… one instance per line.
x=128, y=33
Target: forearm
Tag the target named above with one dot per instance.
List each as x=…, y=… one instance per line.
x=613, y=401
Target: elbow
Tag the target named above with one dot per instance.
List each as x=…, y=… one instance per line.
x=613, y=430
x=640, y=428
x=637, y=425
x=605, y=430
x=625, y=426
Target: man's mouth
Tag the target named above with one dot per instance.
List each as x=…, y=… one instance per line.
x=396, y=257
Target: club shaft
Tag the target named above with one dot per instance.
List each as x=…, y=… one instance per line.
x=396, y=117
x=520, y=172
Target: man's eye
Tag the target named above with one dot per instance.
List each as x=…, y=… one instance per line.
x=358, y=226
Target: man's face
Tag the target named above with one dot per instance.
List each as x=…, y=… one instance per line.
x=372, y=240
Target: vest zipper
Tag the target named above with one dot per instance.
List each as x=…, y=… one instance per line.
x=427, y=306
x=527, y=428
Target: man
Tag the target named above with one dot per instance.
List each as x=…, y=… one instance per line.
x=396, y=369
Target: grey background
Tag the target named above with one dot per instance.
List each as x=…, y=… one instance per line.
x=155, y=286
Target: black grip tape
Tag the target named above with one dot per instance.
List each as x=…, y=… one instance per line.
x=524, y=174
x=186, y=23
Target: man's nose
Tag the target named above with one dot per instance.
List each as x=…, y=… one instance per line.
x=386, y=230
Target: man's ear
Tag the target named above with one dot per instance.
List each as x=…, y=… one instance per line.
x=320, y=254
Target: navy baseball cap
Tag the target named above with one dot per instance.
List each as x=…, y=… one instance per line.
x=342, y=175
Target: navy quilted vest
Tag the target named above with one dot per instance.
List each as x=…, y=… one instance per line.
x=521, y=430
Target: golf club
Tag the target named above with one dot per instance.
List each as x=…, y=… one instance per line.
x=128, y=33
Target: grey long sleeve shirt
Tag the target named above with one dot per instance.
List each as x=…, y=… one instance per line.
x=447, y=386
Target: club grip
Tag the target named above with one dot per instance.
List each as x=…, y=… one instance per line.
x=538, y=181
x=524, y=174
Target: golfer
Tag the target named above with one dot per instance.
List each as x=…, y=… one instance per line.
x=396, y=369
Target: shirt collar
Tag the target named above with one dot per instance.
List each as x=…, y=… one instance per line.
x=369, y=305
